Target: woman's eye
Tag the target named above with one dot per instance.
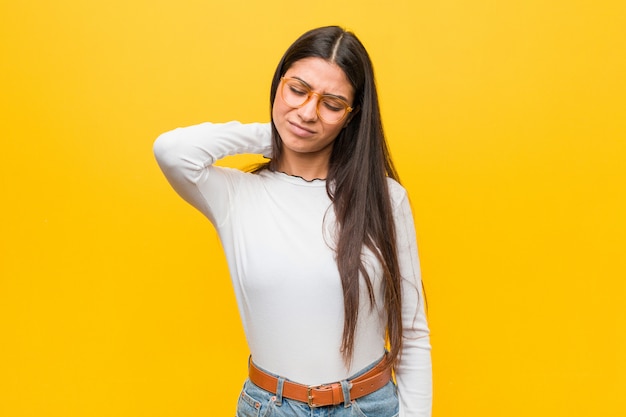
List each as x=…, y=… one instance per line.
x=333, y=105
x=297, y=90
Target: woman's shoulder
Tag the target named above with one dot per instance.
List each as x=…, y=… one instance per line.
x=397, y=192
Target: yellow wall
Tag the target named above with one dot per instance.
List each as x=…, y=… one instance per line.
x=507, y=121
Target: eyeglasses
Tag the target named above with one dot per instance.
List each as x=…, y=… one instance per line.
x=331, y=109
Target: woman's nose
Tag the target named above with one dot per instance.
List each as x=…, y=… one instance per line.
x=308, y=112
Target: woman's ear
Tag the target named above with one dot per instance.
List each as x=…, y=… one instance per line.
x=350, y=116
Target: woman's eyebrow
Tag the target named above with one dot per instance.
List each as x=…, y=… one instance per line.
x=324, y=94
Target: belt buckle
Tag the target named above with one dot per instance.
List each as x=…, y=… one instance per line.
x=309, y=395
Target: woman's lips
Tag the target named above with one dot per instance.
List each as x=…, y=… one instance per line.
x=301, y=131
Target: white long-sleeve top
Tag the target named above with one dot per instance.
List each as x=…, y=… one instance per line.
x=277, y=233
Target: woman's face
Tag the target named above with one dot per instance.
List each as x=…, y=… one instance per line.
x=301, y=129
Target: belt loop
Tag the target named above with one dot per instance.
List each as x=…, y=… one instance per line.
x=345, y=388
x=279, y=391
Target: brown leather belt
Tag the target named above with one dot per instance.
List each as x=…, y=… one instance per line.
x=326, y=394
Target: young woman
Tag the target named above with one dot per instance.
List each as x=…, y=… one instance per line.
x=320, y=240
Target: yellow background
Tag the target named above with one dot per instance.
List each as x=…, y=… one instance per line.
x=507, y=121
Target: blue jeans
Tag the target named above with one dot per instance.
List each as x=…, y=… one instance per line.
x=256, y=402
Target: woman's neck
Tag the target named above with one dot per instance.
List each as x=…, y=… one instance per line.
x=304, y=166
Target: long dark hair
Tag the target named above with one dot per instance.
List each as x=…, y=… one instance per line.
x=357, y=181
